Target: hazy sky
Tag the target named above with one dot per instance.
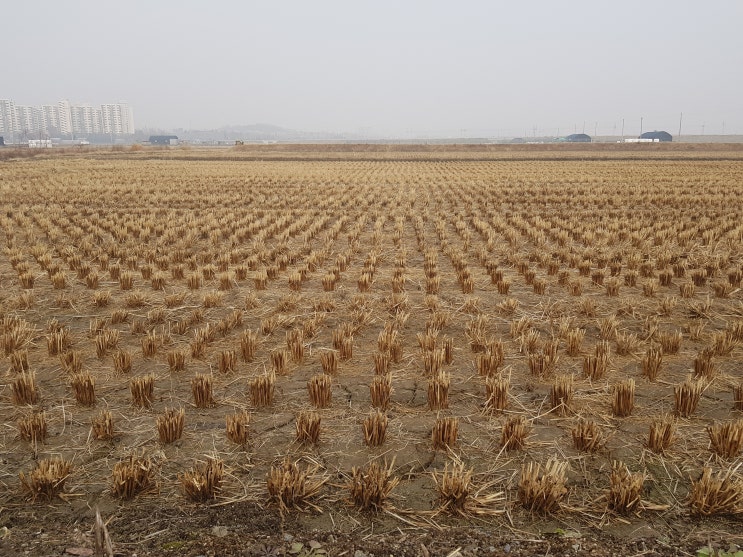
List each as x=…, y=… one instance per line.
x=395, y=67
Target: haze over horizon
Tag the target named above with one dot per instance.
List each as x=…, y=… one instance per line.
x=397, y=69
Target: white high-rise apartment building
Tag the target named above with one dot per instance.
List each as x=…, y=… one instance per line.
x=65, y=118
x=8, y=119
x=117, y=119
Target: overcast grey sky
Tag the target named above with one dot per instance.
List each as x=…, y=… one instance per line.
x=393, y=67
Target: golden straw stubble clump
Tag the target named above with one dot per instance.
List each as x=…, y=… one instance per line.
x=47, y=480
x=170, y=425
x=625, y=489
x=721, y=493
x=237, y=427
x=203, y=481
x=542, y=492
x=370, y=488
x=131, y=476
x=291, y=486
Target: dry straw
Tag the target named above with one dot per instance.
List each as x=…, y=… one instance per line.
x=248, y=345
x=726, y=438
x=623, y=400
x=454, y=487
x=103, y=425
x=143, y=391
x=131, y=476
x=370, y=488
x=201, y=389
x=47, y=480
x=595, y=367
x=33, y=428
x=380, y=390
x=651, y=363
x=203, y=481
x=718, y=494
x=122, y=361
x=83, y=385
x=513, y=433
x=445, y=433
x=561, y=395
x=625, y=489
x=661, y=434
x=262, y=390
x=170, y=425
x=24, y=389
x=686, y=396
x=320, y=389
x=438, y=392
x=587, y=436
x=237, y=427
x=496, y=392
x=542, y=492
x=227, y=361
x=308, y=428
x=329, y=361
x=374, y=428
x=290, y=486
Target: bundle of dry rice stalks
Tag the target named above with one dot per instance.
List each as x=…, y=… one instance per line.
x=143, y=390
x=47, y=480
x=237, y=427
x=624, y=398
x=308, y=428
x=203, y=481
x=262, y=390
x=457, y=494
x=561, y=395
x=131, y=476
x=542, y=493
x=170, y=425
x=726, y=438
x=320, y=389
x=83, y=385
x=375, y=428
x=625, y=489
x=687, y=395
x=380, y=390
x=33, y=428
x=661, y=434
x=201, y=389
x=103, y=426
x=496, y=392
x=587, y=436
x=514, y=432
x=24, y=389
x=721, y=494
x=291, y=487
x=369, y=488
x=444, y=433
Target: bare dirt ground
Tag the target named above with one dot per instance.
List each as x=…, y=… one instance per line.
x=167, y=252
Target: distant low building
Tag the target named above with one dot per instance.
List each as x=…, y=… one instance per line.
x=657, y=136
x=163, y=140
x=578, y=138
x=2, y=141
x=40, y=143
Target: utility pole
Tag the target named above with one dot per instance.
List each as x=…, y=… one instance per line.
x=640, y=125
x=622, y=129
x=680, y=119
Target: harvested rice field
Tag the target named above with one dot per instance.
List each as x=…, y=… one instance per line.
x=372, y=351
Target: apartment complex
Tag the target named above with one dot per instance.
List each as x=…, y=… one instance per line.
x=64, y=119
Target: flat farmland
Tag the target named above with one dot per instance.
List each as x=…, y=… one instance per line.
x=391, y=351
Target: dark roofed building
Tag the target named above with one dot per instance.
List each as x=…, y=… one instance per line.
x=657, y=136
x=578, y=138
x=163, y=140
